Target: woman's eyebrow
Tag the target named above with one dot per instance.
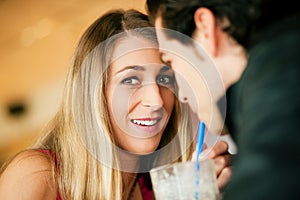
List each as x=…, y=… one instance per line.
x=132, y=67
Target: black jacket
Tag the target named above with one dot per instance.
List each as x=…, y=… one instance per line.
x=264, y=120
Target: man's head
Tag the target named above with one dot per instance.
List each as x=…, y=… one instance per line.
x=195, y=39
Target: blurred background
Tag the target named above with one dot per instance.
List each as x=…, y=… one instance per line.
x=37, y=40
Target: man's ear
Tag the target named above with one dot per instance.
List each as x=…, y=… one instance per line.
x=205, y=32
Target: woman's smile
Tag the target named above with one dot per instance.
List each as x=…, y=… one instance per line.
x=149, y=125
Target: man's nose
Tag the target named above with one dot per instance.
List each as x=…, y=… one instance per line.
x=182, y=96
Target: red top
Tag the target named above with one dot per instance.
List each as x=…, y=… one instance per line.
x=145, y=186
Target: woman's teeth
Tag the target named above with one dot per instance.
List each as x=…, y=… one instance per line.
x=145, y=122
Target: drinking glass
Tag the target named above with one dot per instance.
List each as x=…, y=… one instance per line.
x=185, y=181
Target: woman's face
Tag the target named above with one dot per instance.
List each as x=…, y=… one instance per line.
x=140, y=95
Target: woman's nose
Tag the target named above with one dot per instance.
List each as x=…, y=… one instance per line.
x=151, y=96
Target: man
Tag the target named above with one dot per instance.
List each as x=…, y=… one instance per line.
x=264, y=106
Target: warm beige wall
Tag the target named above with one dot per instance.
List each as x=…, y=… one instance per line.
x=37, y=39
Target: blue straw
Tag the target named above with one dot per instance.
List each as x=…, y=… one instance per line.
x=201, y=131
x=199, y=147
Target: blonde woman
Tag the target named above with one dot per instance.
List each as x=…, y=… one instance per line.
x=118, y=119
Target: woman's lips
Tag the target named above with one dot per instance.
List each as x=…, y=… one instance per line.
x=149, y=125
x=145, y=122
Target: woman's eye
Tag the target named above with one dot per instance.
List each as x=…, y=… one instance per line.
x=165, y=80
x=131, y=81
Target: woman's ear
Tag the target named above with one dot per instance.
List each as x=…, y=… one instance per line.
x=205, y=32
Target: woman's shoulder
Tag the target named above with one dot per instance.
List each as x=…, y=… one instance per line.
x=28, y=176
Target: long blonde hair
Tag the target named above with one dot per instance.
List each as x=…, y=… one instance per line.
x=81, y=135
